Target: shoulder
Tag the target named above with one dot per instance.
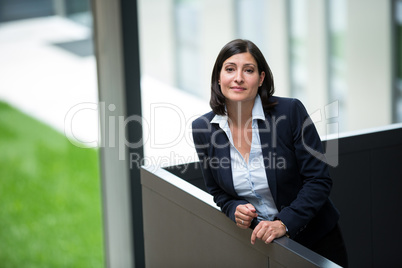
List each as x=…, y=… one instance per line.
x=284, y=102
x=203, y=121
x=202, y=128
x=286, y=105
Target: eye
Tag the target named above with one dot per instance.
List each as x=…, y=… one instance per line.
x=250, y=71
x=229, y=69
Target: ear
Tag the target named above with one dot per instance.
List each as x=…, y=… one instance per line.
x=262, y=76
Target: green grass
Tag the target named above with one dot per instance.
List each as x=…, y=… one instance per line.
x=50, y=208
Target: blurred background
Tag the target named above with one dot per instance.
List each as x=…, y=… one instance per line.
x=341, y=58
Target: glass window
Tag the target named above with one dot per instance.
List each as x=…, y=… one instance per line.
x=298, y=48
x=337, y=61
x=188, y=39
x=176, y=66
x=50, y=189
x=252, y=14
x=11, y=10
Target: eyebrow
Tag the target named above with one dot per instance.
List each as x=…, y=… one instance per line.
x=247, y=64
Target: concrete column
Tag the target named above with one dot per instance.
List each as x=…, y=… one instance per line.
x=117, y=54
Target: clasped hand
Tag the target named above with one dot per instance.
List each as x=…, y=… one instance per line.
x=267, y=231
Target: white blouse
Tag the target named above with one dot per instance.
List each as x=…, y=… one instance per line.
x=250, y=179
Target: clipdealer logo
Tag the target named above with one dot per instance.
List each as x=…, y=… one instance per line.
x=113, y=129
x=331, y=155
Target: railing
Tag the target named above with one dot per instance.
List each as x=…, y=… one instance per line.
x=184, y=228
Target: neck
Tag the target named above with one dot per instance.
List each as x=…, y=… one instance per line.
x=240, y=113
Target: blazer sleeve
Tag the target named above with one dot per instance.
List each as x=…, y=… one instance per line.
x=210, y=165
x=312, y=168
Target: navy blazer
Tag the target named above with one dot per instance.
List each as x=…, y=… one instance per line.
x=299, y=182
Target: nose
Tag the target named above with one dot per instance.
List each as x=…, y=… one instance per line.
x=239, y=77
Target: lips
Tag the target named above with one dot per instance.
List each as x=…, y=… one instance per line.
x=238, y=88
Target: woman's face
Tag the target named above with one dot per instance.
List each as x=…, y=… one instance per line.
x=239, y=78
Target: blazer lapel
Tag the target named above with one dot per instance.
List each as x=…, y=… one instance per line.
x=268, y=153
x=221, y=146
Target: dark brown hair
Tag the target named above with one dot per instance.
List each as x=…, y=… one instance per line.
x=266, y=90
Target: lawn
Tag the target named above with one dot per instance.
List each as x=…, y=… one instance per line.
x=50, y=206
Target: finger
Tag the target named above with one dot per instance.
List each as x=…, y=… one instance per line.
x=265, y=235
x=270, y=239
x=241, y=226
x=238, y=211
x=241, y=212
x=253, y=238
x=241, y=223
x=254, y=234
x=245, y=218
x=240, y=217
x=249, y=215
x=250, y=207
x=273, y=234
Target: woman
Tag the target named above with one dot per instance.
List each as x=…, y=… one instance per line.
x=252, y=149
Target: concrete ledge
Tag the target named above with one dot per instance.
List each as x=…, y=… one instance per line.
x=184, y=228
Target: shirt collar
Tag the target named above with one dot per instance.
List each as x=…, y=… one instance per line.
x=257, y=113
